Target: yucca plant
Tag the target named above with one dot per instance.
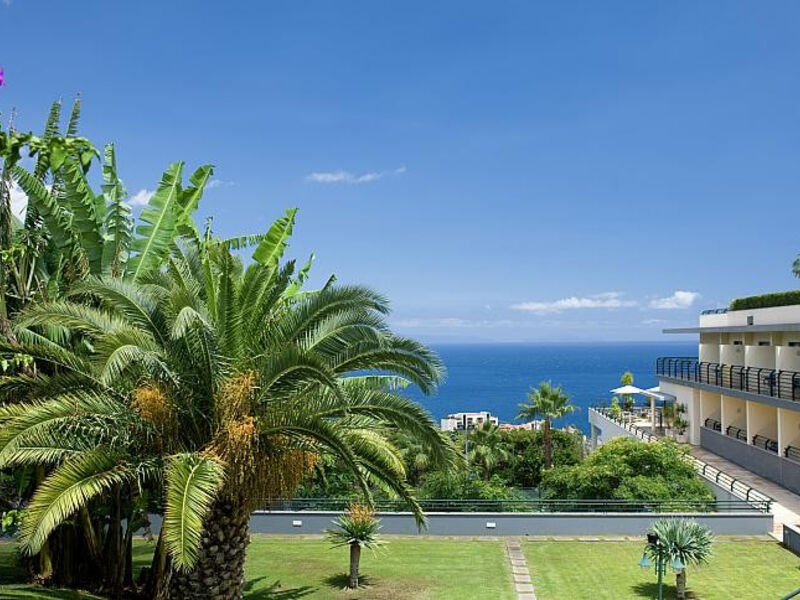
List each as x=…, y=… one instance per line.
x=681, y=542
x=215, y=386
x=357, y=528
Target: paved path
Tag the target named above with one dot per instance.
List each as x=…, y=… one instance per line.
x=785, y=509
x=519, y=570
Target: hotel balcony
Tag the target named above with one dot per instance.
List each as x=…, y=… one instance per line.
x=749, y=415
x=744, y=380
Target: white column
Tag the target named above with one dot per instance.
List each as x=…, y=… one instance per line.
x=652, y=415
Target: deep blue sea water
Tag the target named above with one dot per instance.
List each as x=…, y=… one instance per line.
x=496, y=377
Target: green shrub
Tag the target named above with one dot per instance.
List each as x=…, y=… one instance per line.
x=525, y=466
x=627, y=469
x=766, y=300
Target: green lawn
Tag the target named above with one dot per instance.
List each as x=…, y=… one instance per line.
x=425, y=568
x=745, y=570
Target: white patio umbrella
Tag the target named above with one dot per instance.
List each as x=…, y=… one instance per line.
x=627, y=390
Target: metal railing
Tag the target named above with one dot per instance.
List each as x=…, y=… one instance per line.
x=765, y=443
x=523, y=505
x=738, y=488
x=714, y=311
x=792, y=453
x=756, y=380
x=736, y=432
x=712, y=424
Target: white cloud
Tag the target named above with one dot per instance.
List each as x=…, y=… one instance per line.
x=680, y=299
x=141, y=198
x=347, y=177
x=604, y=300
x=19, y=201
x=215, y=183
x=653, y=321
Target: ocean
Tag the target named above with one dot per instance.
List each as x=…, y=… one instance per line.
x=497, y=377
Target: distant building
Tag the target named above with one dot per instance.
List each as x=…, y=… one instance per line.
x=530, y=425
x=465, y=421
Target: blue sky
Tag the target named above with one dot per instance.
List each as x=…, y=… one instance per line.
x=504, y=171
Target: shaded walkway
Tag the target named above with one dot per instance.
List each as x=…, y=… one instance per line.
x=786, y=505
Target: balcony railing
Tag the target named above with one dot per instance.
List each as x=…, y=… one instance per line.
x=713, y=424
x=792, y=453
x=764, y=382
x=736, y=432
x=764, y=442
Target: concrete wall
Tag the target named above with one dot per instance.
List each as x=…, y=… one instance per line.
x=791, y=538
x=730, y=354
x=767, y=464
x=787, y=358
x=709, y=352
x=788, y=428
x=761, y=316
x=762, y=357
x=710, y=406
x=761, y=420
x=690, y=398
x=573, y=524
x=734, y=412
x=606, y=429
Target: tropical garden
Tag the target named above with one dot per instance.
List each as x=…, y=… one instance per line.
x=152, y=367
x=158, y=383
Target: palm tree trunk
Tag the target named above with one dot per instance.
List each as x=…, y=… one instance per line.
x=355, y=558
x=45, y=558
x=219, y=573
x=157, y=579
x=547, y=444
x=680, y=585
x=114, y=567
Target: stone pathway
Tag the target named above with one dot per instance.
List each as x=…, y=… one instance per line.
x=519, y=570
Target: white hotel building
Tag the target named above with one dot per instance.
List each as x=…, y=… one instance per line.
x=465, y=421
x=742, y=392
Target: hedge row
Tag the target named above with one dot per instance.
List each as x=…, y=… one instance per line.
x=766, y=300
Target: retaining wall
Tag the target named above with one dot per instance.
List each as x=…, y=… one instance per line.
x=568, y=524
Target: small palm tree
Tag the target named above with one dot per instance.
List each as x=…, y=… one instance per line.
x=357, y=528
x=488, y=448
x=627, y=379
x=682, y=541
x=549, y=403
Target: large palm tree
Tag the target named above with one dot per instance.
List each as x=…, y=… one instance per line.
x=215, y=386
x=680, y=542
x=487, y=448
x=546, y=402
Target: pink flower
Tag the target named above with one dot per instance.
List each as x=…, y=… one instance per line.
x=2, y=79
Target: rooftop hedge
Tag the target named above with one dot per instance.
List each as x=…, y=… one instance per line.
x=766, y=300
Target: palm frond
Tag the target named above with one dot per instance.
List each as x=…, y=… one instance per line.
x=193, y=481
x=70, y=487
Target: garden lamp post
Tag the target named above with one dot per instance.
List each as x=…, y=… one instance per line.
x=661, y=557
